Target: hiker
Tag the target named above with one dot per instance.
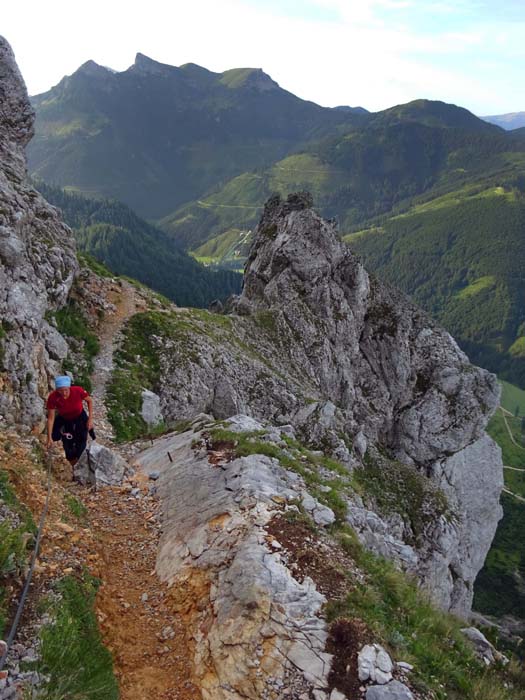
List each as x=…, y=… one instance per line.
x=67, y=419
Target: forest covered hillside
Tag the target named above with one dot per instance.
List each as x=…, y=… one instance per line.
x=461, y=256
x=114, y=235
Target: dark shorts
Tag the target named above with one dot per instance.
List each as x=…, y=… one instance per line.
x=73, y=434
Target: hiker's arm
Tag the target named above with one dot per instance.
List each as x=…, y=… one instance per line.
x=89, y=402
x=50, y=420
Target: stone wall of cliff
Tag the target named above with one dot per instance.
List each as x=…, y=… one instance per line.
x=37, y=262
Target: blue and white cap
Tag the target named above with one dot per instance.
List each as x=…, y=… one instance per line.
x=62, y=381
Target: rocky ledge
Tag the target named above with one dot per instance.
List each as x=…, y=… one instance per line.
x=258, y=626
x=250, y=560
x=255, y=625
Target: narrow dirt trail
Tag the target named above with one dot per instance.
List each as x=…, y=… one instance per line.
x=504, y=413
x=147, y=640
x=511, y=493
x=127, y=304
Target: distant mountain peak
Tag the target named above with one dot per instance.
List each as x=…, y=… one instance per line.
x=195, y=68
x=509, y=121
x=254, y=78
x=435, y=113
x=94, y=69
x=355, y=110
x=148, y=66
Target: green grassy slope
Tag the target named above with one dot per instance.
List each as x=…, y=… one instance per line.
x=374, y=168
x=229, y=250
x=513, y=398
x=239, y=203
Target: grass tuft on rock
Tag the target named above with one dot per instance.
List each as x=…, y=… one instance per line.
x=397, y=488
x=401, y=617
x=137, y=368
x=138, y=361
x=71, y=322
x=298, y=459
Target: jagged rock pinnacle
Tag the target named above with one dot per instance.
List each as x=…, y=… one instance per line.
x=342, y=354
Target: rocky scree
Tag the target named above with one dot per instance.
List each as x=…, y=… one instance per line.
x=316, y=342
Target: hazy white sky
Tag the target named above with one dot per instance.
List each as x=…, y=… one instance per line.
x=374, y=53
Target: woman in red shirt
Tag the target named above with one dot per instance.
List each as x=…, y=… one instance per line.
x=67, y=419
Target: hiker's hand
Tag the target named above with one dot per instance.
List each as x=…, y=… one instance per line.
x=49, y=442
x=90, y=424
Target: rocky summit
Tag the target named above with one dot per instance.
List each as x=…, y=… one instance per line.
x=356, y=368
x=38, y=262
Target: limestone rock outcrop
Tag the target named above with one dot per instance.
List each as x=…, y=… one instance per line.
x=394, y=374
x=257, y=628
x=37, y=262
x=316, y=342
x=392, y=691
x=100, y=466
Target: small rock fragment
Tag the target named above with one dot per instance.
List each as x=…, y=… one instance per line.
x=392, y=691
x=374, y=664
x=337, y=695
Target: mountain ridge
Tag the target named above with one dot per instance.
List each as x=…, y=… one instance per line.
x=212, y=148
x=156, y=136
x=509, y=121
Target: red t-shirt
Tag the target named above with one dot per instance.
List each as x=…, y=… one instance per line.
x=71, y=407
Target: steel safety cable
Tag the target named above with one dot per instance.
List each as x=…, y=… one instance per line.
x=25, y=591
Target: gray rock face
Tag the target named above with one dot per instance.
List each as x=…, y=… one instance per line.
x=383, y=535
x=315, y=342
x=254, y=622
x=454, y=549
x=150, y=410
x=100, y=466
x=37, y=262
x=395, y=690
x=321, y=515
x=472, y=483
x=398, y=377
